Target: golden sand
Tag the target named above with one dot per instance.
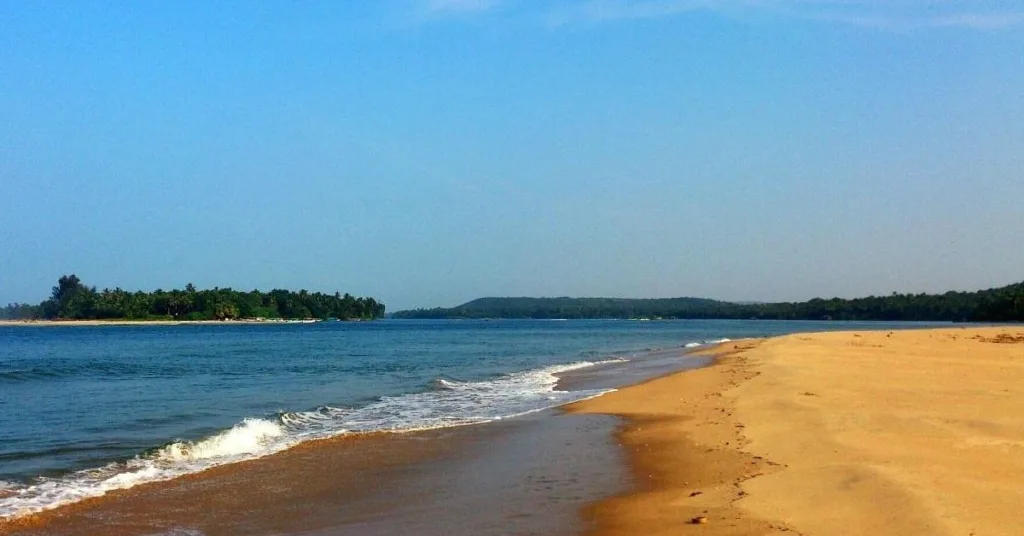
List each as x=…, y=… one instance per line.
x=904, y=432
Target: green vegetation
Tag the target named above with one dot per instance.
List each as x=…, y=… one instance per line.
x=71, y=300
x=1005, y=304
x=564, y=308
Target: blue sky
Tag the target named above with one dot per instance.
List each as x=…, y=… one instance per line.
x=427, y=152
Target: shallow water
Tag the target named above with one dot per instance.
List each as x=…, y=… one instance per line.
x=85, y=410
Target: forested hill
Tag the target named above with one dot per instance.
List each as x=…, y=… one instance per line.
x=1003, y=304
x=73, y=300
x=564, y=308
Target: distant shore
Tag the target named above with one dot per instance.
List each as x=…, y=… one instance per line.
x=52, y=323
x=846, y=433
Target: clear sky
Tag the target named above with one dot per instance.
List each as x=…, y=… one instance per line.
x=427, y=152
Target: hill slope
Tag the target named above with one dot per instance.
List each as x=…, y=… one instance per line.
x=1001, y=304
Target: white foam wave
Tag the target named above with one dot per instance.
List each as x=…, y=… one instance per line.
x=7, y=488
x=699, y=344
x=181, y=532
x=442, y=383
x=454, y=404
x=251, y=436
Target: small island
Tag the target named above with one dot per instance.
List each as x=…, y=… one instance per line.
x=71, y=300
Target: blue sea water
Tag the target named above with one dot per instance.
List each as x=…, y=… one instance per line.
x=86, y=410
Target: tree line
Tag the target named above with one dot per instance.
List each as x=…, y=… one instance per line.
x=73, y=300
x=1004, y=304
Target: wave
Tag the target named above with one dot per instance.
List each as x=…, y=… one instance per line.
x=59, y=369
x=7, y=489
x=449, y=402
x=251, y=436
x=21, y=375
x=702, y=343
x=445, y=383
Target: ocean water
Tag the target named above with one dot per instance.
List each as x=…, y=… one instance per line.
x=87, y=410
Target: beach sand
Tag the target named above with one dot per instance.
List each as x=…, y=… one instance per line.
x=904, y=432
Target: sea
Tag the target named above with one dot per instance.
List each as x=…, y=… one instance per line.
x=85, y=410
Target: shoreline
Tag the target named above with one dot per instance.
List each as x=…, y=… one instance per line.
x=128, y=504
x=242, y=490
x=699, y=444
x=682, y=446
x=460, y=480
x=902, y=432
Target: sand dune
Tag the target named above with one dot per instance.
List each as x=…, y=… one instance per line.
x=908, y=432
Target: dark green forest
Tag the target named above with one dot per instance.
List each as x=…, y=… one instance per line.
x=1005, y=304
x=73, y=300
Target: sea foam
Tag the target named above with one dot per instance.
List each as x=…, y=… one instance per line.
x=251, y=436
x=448, y=403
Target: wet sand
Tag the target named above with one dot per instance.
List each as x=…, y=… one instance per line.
x=908, y=432
x=527, y=476
x=279, y=493
x=532, y=478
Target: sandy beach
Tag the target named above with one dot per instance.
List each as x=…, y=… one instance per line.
x=904, y=432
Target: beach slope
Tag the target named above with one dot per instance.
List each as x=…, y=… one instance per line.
x=903, y=432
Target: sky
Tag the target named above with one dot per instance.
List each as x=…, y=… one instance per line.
x=428, y=152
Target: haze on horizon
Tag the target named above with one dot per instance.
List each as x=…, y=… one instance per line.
x=428, y=152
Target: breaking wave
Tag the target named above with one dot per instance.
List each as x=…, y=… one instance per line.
x=448, y=402
x=702, y=343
